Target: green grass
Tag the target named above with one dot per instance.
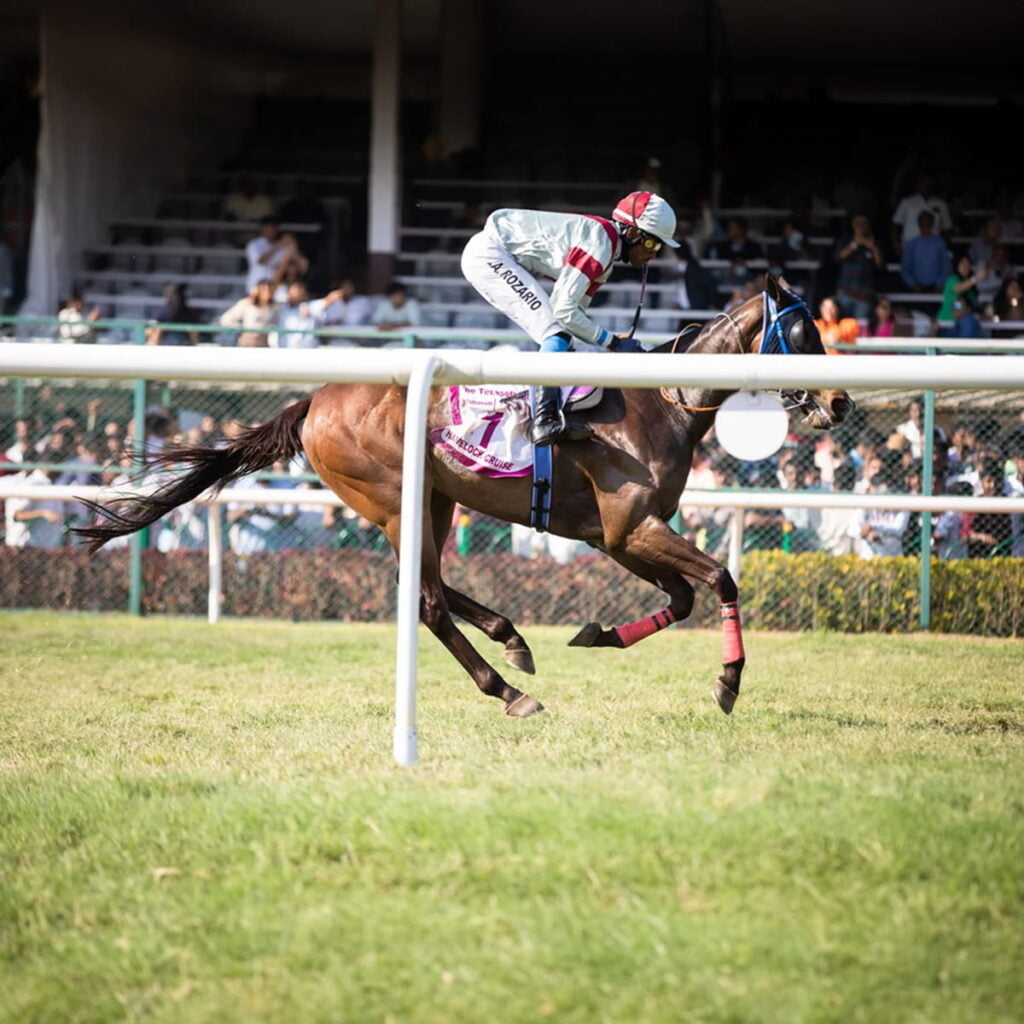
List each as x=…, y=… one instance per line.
x=204, y=824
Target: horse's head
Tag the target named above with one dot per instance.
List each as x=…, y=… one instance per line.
x=787, y=327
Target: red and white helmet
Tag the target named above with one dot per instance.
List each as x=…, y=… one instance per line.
x=650, y=213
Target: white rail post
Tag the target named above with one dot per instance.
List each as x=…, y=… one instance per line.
x=410, y=553
x=215, y=542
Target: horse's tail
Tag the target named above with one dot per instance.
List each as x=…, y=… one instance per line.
x=254, y=449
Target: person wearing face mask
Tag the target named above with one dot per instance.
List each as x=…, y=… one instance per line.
x=859, y=261
x=577, y=252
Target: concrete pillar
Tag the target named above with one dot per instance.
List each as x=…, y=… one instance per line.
x=385, y=169
x=461, y=62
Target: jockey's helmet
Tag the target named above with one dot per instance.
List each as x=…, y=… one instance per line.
x=650, y=213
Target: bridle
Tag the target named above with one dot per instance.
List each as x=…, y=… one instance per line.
x=773, y=342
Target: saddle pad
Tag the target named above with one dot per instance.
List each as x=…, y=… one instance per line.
x=489, y=429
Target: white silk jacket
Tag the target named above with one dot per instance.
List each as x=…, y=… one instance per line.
x=574, y=250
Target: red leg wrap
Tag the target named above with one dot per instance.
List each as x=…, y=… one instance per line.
x=634, y=631
x=732, y=635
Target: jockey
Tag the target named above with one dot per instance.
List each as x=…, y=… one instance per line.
x=577, y=252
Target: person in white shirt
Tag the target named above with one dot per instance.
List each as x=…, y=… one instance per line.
x=266, y=253
x=878, y=533
x=905, y=219
x=836, y=529
x=297, y=320
x=34, y=522
x=577, y=252
x=397, y=309
x=344, y=307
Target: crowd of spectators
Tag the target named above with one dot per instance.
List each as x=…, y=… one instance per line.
x=64, y=445
x=977, y=458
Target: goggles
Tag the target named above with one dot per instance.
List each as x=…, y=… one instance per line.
x=649, y=242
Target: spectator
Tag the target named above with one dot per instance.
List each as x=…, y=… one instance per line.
x=254, y=311
x=983, y=248
x=175, y=310
x=925, y=263
x=947, y=533
x=960, y=301
x=1009, y=303
x=35, y=522
x=800, y=526
x=344, y=307
x=699, y=232
x=835, y=529
x=695, y=287
x=905, y=220
x=268, y=250
x=738, y=249
x=397, y=309
x=990, y=287
x=792, y=245
x=881, y=322
x=247, y=202
x=834, y=328
x=911, y=428
x=879, y=532
x=912, y=535
x=296, y=319
x=988, y=533
x=859, y=259
x=6, y=276
x=75, y=322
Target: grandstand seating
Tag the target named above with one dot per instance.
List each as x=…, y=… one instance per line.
x=188, y=241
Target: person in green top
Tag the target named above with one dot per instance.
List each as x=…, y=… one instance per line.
x=960, y=300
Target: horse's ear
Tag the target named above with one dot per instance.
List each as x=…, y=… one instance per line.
x=771, y=286
x=783, y=284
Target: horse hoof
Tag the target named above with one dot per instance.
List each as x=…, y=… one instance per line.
x=523, y=706
x=587, y=636
x=725, y=696
x=521, y=658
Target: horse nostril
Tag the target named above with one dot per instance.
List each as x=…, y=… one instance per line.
x=840, y=407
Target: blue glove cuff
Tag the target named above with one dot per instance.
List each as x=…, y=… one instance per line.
x=605, y=338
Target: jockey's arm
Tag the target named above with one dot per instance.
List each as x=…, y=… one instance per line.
x=570, y=297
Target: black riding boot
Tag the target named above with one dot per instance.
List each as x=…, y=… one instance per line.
x=548, y=422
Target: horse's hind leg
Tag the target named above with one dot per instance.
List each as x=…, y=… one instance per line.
x=494, y=625
x=436, y=616
x=679, y=607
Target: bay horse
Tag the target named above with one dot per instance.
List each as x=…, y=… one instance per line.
x=616, y=490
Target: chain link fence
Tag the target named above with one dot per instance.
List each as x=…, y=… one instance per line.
x=287, y=557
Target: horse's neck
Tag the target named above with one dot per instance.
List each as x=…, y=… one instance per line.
x=732, y=334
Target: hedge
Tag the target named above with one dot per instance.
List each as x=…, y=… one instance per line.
x=778, y=590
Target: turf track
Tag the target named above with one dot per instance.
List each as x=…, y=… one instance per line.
x=203, y=824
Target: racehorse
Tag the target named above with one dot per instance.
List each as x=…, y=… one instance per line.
x=616, y=490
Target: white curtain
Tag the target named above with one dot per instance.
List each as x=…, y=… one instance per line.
x=123, y=115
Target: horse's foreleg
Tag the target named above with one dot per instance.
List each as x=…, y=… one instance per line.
x=492, y=624
x=653, y=541
x=679, y=607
